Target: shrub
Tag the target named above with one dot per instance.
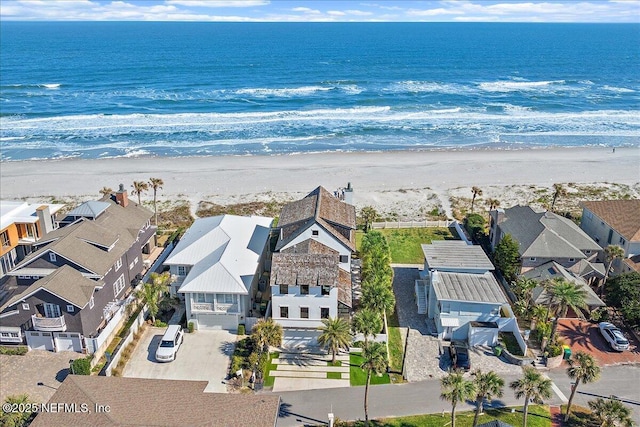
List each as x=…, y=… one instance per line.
x=600, y=315
x=554, y=349
x=192, y=327
x=19, y=350
x=241, y=329
x=236, y=363
x=81, y=366
x=543, y=330
x=160, y=324
x=475, y=223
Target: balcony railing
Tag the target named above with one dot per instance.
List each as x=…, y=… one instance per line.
x=209, y=306
x=202, y=306
x=49, y=324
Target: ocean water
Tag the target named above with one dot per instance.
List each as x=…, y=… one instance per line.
x=111, y=89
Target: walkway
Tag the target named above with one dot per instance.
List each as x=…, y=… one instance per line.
x=556, y=416
x=307, y=371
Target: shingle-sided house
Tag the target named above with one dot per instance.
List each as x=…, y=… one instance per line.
x=615, y=222
x=459, y=292
x=79, y=275
x=133, y=402
x=543, y=237
x=311, y=275
x=217, y=264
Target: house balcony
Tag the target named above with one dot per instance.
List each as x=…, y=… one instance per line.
x=49, y=324
x=212, y=307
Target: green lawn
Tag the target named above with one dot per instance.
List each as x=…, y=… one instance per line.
x=359, y=377
x=334, y=375
x=396, y=349
x=405, y=242
x=268, y=379
x=538, y=417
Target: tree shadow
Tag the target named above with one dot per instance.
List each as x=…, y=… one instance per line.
x=285, y=412
x=227, y=348
x=62, y=374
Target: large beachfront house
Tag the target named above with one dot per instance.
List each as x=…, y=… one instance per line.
x=543, y=237
x=615, y=222
x=217, y=265
x=311, y=273
x=78, y=276
x=460, y=293
x=21, y=225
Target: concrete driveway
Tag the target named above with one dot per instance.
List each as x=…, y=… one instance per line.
x=203, y=356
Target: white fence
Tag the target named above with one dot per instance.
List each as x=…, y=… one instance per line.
x=117, y=354
x=462, y=233
x=412, y=224
x=97, y=345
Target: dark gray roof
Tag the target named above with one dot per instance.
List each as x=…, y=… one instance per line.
x=545, y=234
x=553, y=270
x=134, y=402
x=66, y=283
x=467, y=287
x=443, y=255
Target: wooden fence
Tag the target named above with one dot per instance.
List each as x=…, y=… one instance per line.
x=412, y=224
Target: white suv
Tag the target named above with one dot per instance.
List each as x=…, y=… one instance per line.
x=613, y=336
x=170, y=344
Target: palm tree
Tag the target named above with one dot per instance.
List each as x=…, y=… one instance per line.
x=523, y=288
x=610, y=413
x=476, y=191
x=156, y=184
x=582, y=368
x=558, y=191
x=487, y=386
x=368, y=214
x=367, y=322
x=379, y=298
x=139, y=187
x=150, y=295
x=21, y=418
x=611, y=252
x=566, y=295
x=455, y=389
x=335, y=335
x=532, y=386
x=375, y=362
x=266, y=333
x=492, y=204
x=105, y=191
x=537, y=313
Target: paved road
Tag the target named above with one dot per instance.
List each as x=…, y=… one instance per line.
x=393, y=400
x=622, y=381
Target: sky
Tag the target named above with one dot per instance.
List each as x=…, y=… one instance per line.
x=611, y=11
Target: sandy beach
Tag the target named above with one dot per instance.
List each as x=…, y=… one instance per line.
x=404, y=183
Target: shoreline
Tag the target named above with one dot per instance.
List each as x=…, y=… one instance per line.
x=379, y=178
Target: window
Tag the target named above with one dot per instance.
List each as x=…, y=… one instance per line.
x=445, y=307
x=118, y=286
x=135, y=261
x=325, y=289
x=304, y=289
x=587, y=252
x=4, y=237
x=118, y=264
x=24, y=277
x=200, y=297
x=131, y=265
x=314, y=233
x=25, y=306
x=622, y=241
x=70, y=308
x=324, y=312
x=610, y=237
x=51, y=310
x=91, y=303
x=284, y=312
x=182, y=270
x=9, y=335
x=284, y=289
x=572, y=259
x=304, y=312
x=225, y=298
x=532, y=259
x=52, y=257
x=344, y=258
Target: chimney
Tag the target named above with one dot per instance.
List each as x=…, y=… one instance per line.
x=121, y=196
x=348, y=194
x=44, y=220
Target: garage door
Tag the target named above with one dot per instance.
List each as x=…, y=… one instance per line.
x=68, y=342
x=39, y=340
x=300, y=338
x=218, y=321
x=483, y=336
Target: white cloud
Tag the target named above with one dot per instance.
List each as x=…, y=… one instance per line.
x=335, y=13
x=306, y=10
x=218, y=3
x=358, y=12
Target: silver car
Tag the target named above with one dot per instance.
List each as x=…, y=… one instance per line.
x=613, y=336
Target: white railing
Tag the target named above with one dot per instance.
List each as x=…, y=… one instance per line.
x=202, y=306
x=49, y=324
x=412, y=224
x=210, y=306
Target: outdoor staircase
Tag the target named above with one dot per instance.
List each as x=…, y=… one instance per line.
x=421, y=297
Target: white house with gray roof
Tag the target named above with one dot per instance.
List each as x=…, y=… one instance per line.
x=542, y=237
x=217, y=265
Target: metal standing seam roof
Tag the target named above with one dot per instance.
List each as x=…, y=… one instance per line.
x=12, y=212
x=482, y=288
x=453, y=254
x=223, y=251
x=90, y=209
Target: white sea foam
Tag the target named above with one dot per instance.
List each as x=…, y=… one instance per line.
x=282, y=92
x=51, y=85
x=412, y=86
x=617, y=89
x=512, y=86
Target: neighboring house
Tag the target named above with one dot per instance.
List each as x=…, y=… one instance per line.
x=311, y=275
x=615, y=222
x=217, y=265
x=553, y=270
x=79, y=275
x=460, y=293
x=543, y=237
x=134, y=402
x=21, y=225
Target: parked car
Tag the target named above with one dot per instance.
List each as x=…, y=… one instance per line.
x=170, y=344
x=613, y=336
x=459, y=355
